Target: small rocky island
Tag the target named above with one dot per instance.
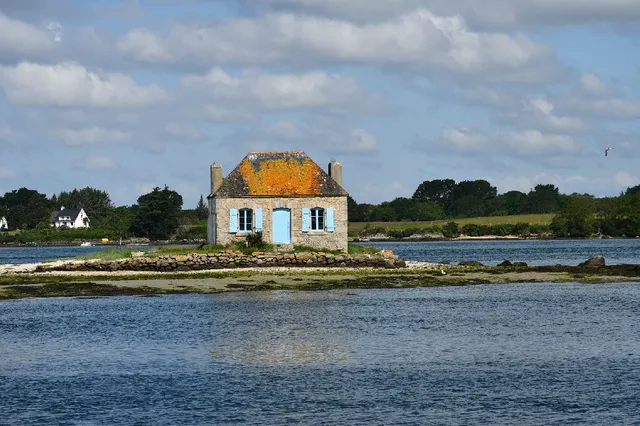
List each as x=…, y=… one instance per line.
x=153, y=273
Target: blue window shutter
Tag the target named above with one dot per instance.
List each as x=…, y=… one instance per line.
x=330, y=221
x=233, y=221
x=258, y=219
x=306, y=220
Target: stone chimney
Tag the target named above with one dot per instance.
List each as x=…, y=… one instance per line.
x=216, y=177
x=335, y=171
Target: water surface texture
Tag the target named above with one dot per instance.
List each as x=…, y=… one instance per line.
x=534, y=252
x=512, y=354
x=40, y=254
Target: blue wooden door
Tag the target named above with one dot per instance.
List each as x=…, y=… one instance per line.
x=281, y=226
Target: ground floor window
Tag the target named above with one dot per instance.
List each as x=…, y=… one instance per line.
x=317, y=219
x=246, y=220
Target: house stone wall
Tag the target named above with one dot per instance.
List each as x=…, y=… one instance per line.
x=336, y=240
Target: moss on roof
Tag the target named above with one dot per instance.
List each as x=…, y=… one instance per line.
x=290, y=173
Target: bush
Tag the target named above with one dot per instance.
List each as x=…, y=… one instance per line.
x=451, y=230
x=403, y=233
x=254, y=240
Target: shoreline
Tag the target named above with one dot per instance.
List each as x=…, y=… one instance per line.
x=24, y=283
x=375, y=239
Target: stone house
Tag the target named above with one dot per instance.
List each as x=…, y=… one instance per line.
x=284, y=195
x=71, y=218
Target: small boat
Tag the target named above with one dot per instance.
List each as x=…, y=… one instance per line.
x=86, y=244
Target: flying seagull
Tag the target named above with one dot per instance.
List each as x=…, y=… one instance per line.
x=606, y=150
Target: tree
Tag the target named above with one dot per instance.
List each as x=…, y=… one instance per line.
x=439, y=191
x=575, y=219
x=119, y=221
x=95, y=202
x=514, y=202
x=633, y=190
x=157, y=215
x=471, y=197
x=544, y=199
x=26, y=208
x=202, y=211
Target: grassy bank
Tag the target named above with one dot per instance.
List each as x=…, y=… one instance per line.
x=531, y=223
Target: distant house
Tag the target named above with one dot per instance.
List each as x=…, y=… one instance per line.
x=4, y=226
x=71, y=218
x=284, y=195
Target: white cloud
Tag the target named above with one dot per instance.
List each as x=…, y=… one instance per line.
x=540, y=113
x=72, y=85
x=97, y=163
x=625, y=179
x=281, y=91
x=6, y=173
x=20, y=38
x=327, y=135
x=592, y=84
x=508, y=143
x=419, y=41
x=500, y=14
x=593, y=98
x=93, y=136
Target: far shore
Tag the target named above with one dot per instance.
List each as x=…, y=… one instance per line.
x=373, y=239
x=20, y=281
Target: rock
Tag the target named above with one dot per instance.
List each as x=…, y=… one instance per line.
x=470, y=263
x=505, y=263
x=137, y=254
x=520, y=264
x=594, y=262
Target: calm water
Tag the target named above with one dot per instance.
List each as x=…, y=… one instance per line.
x=534, y=252
x=39, y=254
x=514, y=354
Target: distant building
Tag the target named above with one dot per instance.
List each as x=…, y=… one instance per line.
x=284, y=195
x=71, y=218
x=4, y=226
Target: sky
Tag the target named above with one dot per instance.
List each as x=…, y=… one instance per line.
x=128, y=95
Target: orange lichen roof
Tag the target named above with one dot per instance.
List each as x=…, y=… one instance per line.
x=287, y=173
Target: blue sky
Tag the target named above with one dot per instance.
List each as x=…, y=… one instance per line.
x=128, y=95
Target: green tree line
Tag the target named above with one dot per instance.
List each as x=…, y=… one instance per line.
x=159, y=214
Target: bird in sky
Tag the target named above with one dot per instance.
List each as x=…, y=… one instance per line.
x=607, y=149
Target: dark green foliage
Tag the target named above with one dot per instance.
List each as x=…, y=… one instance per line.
x=544, y=199
x=25, y=208
x=202, y=211
x=576, y=219
x=403, y=233
x=438, y=191
x=157, y=215
x=119, y=220
x=192, y=232
x=451, y=230
x=254, y=240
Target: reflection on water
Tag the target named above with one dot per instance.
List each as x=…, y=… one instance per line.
x=526, y=354
x=274, y=328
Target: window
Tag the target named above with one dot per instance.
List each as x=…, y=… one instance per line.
x=317, y=219
x=246, y=220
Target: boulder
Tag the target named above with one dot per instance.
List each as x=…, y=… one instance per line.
x=520, y=264
x=505, y=263
x=594, y=262
x=470, y=263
